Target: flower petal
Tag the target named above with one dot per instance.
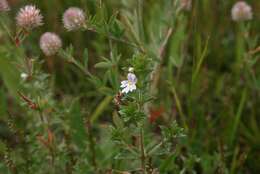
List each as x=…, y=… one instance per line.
x=124, y=84
x=132, y=87
x=131, y=77
x=125, y=90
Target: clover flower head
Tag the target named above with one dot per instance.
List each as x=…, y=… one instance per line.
x=73, y=18
x=186, y=4
x=241, y=11
x=129, y=85
x=4, y=6
x=29, y=17
x=50, y=43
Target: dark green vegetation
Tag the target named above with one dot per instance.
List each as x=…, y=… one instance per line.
x=195, y=110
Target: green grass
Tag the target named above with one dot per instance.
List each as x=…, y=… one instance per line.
x=198, y=68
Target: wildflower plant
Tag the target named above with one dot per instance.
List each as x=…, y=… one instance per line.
x=137, y=87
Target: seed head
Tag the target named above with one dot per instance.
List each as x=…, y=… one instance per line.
x=4, y=6
x=241, y=11
x=73, y=18
x=29, y=17
x=50, y=43
x=186, y=4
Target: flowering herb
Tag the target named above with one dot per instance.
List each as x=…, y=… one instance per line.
x=129, y=85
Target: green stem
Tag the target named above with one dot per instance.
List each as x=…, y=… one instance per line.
x=238, y=115
x=178, y=104
x=92, y=146
x=101, y=107
x=143, y=156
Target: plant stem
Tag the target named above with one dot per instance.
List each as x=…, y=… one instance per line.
x=91, y=145
x=100, y=108
x=238, y=115
x=178, y=104
x=143, y=157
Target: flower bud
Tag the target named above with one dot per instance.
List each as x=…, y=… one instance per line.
x=50, y=43
x=130, y=69
x=241, y=11
x=4, y=6
x=29, y=17
x=73, y=18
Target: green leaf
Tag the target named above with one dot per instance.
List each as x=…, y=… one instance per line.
x=103, y=65
x=76, y=121
x=10, y=75
x=117, y=121
x=3, y=102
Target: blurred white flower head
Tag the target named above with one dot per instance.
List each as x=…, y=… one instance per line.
x=29, y=17
x=241, y=11
x=131, y=69
x=24, y=76
x=4, y=6
x=186, y=4
x=50, y=43
x=73, y=18
x=129, y=85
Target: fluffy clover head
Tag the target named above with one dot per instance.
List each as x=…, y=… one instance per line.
x=50, y=43
x=73, y=18
x=29, y=17
x=241, y=11
x=129, y=85
x=4, y=6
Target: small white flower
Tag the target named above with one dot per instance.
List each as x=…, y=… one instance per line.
x=131, y=69
x=24, y=76
x=129, y=85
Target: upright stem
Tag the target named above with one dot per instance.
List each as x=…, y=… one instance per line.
x=142, y=158
x=91, y=145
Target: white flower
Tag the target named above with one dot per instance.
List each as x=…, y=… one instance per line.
x=129, y=85
x=131, y=69
x=24, y=76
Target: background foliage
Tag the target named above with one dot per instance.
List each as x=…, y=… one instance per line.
x=200, y=113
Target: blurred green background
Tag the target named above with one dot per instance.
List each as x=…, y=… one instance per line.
x=216, y=100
